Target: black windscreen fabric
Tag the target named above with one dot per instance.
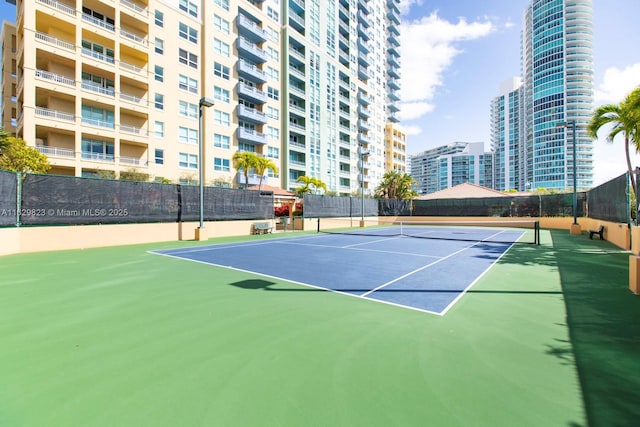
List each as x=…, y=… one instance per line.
x=316, y=206
x=394, y=207
x=59, y=200
x=8, y=198
x=610, y=201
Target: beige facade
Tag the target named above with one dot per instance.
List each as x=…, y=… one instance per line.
x=9, y=81
x=395, y=146
x=105, y=87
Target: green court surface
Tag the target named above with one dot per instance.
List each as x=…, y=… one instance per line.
x=550, y=336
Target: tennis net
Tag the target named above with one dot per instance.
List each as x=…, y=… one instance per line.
x=503, y=231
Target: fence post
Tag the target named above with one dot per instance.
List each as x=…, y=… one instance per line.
x=18, y=197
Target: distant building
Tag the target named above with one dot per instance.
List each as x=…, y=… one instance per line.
x=395, y=149
x=506, y=136
x=450, y=165
x=557, y=61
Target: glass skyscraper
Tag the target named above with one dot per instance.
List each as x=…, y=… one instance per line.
x=557, y=71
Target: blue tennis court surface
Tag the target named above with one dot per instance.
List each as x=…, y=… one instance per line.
x=421, y=274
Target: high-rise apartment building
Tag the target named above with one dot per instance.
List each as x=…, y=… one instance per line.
x=108, y=86
x=452, y=164
x=395, y=149
x=557, y=72
x=506, y=136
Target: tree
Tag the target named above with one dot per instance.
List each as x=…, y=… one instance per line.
x=245, y=160
x=262, y=165
x=396, y=185
x=625, y=119
x=309, y=185
x=15, y=156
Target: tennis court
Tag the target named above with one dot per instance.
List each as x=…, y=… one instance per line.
x=547, y=336
x=412, y=265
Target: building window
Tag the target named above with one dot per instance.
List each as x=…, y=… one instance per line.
x=188, y=58
x=159, y=73
x=221, y=24
x=159, y=102
x=273, y=73
x=159, y=46
x=221, y=48
x=221, y=141
x=273, y=14
x=273, y=53
x=273, y=152
x=159, y=19
x=188, y=161
x=221, y=71
x=187, y=135
x=273, y=113
x=221, y=165
x=187, y=109
x=189, y=7
x=187, y=83
x=188, y=33
x=222, y=3
x=221, y=94
x=159, y=157
x=221, y=118
x=273, y=93
x=158, y=129
x=273, y=133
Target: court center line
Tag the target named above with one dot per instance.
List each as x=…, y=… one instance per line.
x=359, y=249
x=384, y=285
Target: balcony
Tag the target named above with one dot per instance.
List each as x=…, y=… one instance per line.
x=391, y=60
x=54, y=41
x=363, y=19
x=393, y=84
x=363, y=73
x=55, y=78
x=70, y=10
x=393, y=28
x=393, y=106
x=251, y=72
x=251, y=93
x=99, y=23
x=55, y=115
x=133, y=130
x=364, y=111
x=298, y=54
x=135, y=7
x=393, y=72
x=363, y=59
x=98, y=157
x=299, y=91
x=393, y=17
x=363, y=138
x=98, y=56
x=363, y=33
x=363, y=46
x=393, y=119
x=251, y=115
x=297, y=5
x=251, y=51
x=250, y=136
x=393, y=5
x=393, y=51
x=364, y=6
x=131, y=161
x=393, y=95
x=56, y=152
x=297, y=109
x=250, y=30
x=133, y=37
x=294, y=145
x=93, y=87
x=297, y=22
x=393, y=39
x=254, y=179
x=363, y=98
x=98, y=123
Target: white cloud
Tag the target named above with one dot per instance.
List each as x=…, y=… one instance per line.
x=412, y=130
x=405, y=5
x=427, y=51
x=617, y=84
x=414, y=110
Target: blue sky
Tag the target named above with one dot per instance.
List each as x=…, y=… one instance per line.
x=468, y=47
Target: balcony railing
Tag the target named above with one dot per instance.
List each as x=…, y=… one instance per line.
x=100, y=157
x=132, y=129
x=98, y=22
x=99, y=123
x=93, y=87
x=131, y=36
x=56, y=78
x=134, y=6
x=53, y=114
x=55, y=151
x=131, y=161
x=98, y=56
x=130, y=98
x=131, y=67
x=55, y=41
x=60, y=6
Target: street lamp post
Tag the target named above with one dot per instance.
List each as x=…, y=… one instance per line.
x=363, y=153
x=204, y=103
x=575, y=227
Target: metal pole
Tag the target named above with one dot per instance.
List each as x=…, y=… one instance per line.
x=575, y=173
x=201, y=166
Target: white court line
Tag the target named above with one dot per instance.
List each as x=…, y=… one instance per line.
x=299, y=283
x=350, y=247
x=384, y=285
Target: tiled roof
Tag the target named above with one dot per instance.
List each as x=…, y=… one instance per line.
x=463, y=191
x=275, y=190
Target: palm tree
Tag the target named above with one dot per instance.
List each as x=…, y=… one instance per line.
x=262, y=165
x=396, y=185
x=309, y=184
x=625, y=119
x=245, y=160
